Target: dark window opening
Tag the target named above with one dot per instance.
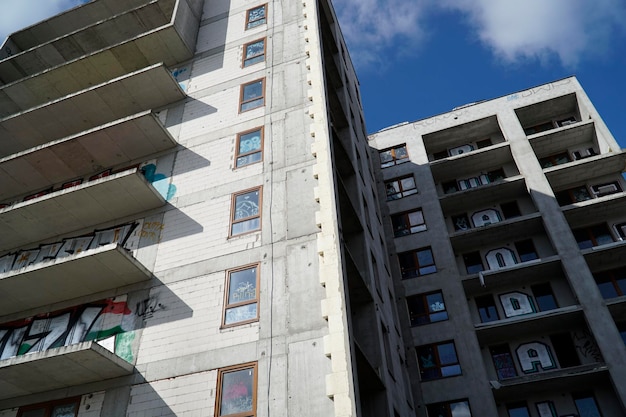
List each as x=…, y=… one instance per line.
x=487, y=308
x=544, y=297
x=473, y=262
x=510, y=210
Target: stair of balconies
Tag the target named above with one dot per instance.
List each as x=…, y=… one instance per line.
x=119, y=143
x=59, y=368
x=149, y=88
x=113, y=197
x=133, y=39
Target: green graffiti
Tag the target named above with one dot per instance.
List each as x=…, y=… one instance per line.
x=124, y=346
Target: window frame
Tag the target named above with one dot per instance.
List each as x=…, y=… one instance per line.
x=256, y=300
x=401, y=193
x=585, y=395
x=517, y=406
x=611, y=276
x=234, y=221
x=416, y=319
x=482, y=304
x=416, y=266
x=218, y=393
x=261, y=130
x=592, y=235
x=49, y=405
x=243, y=102
x=245, y=58
x=253, y=22
x=406, y=227
x=394, y=160
x=438, y=365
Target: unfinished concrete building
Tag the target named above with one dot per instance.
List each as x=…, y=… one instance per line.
x=189, y=223
x=507, y=222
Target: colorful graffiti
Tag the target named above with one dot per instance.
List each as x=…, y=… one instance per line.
x=126, y=235
x=107, y=319
x=159, y=181
x=534, y=355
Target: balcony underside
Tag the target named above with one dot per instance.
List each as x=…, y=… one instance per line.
x=503, y=231
x=88, y=272
x=110, y=198
x=59, y=368
x=560, y=140
x=528, y=325
x=588, y=212
x=465, y=164
x=551, y=381
x=121, y=142
x=149, y=88
x=609, y=256
x=573, y=173
x=483, y=196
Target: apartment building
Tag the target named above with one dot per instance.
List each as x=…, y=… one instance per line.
x=189, y=221
x=506, y=224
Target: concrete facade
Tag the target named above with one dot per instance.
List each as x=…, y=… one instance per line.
x=189, y=221
x=516, y=209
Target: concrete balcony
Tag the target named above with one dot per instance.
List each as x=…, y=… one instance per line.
x=462, y=165
x=149, y=88
x=587, y=212
x=88, y=272
x=109, y=198
x=507, y=189
x=575, y=172
x=529, y=325
x=505, y=230
x=144, y=33
x=559, y=380
x=59, y=368
x=608, y=256
x=569, y=137
x=514, y=275
x=119, y=143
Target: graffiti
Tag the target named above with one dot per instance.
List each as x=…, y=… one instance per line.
x=516, y=304
x=159, y=181
x=586, y=346
x=123, y=235
x=178, y=74
x=152, y=231
x=97, y=321
x=146, y=308
x=530, y=92
x=534, y=354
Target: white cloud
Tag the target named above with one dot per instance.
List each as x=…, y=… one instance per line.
x=538, y=29
x=373, y=26
x=18, y=14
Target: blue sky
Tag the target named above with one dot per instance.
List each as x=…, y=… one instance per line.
x=418, y=58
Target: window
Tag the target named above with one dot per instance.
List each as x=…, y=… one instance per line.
x=236, y=391
x=572, y=195
x=586, y=405
x=450, y=187
x=591, y=236
x=601, y=190
x=553, y=160
x=622, y=331
x=256, y=16
x=252, y=95
x=503, y=361
x=567, y=121
x=473, y=262
x=417, y=263
x=565, y=350
x=60, y=408
x=517, y=410
x=546, y=409
x=437, y=361
x=393, y=156
x=426, y=308
x=242, y=296
x=544, y=296
x=510, y=210
x=246, y=212
x=526, y=250
x=484, y=143
x=611, y=283
x=457, y=408
x=249, y=147
x=408, y=222
x=487, y=308
x=254, y=52
x=495, y=175
x=400, y=187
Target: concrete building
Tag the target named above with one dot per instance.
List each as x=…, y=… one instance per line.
x=189, y=222
x=507, y=226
